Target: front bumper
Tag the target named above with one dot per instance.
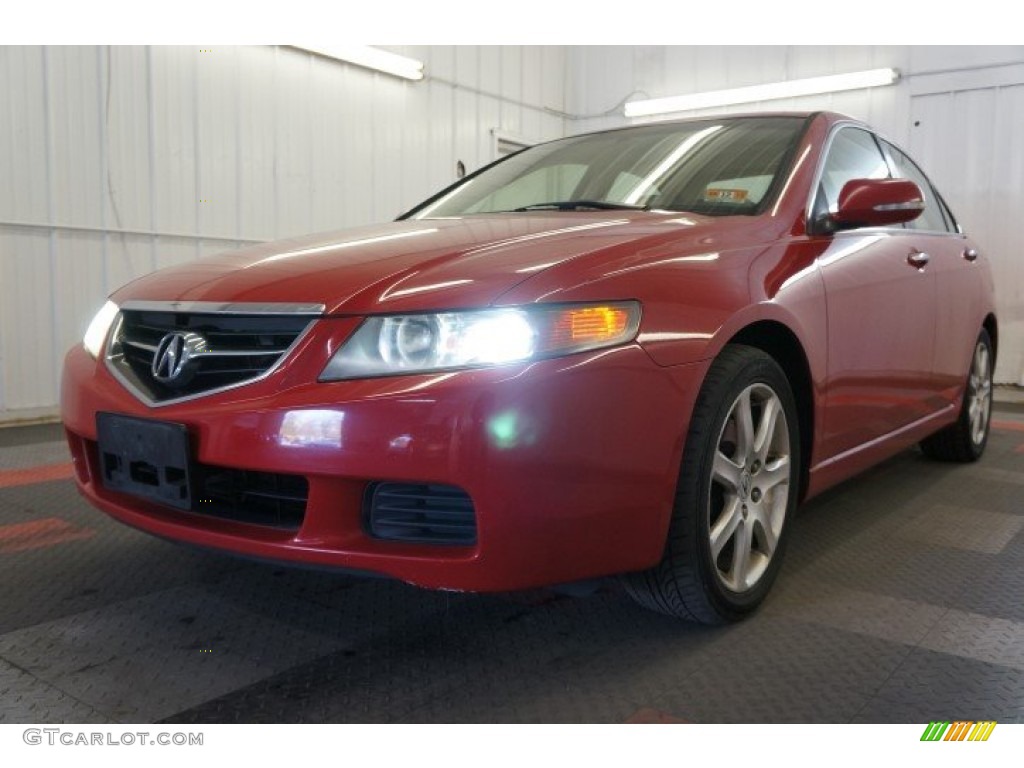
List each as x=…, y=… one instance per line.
x=571, y=463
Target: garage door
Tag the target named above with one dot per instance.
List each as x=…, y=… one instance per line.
x=970, y=142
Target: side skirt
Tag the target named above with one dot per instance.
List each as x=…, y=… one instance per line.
x=854, y=461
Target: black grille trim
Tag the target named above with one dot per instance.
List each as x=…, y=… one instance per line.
x=240, y=349
x=254, y=498
x=269, y=499
x=420, y=512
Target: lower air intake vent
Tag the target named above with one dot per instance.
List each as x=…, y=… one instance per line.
x=435, y=514
x=256, y=498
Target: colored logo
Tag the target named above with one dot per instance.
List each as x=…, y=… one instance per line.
x=959, y=731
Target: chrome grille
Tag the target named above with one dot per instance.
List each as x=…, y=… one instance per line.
x=208, y=351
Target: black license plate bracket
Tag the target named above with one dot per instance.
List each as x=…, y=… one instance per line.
x=146, y=458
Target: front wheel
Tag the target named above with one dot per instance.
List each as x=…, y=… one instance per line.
x=737, y=490
x=965, y=439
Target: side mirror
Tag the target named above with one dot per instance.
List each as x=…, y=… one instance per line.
x=877, y=203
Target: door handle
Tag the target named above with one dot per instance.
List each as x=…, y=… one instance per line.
x=918, y=259
x=971, y=254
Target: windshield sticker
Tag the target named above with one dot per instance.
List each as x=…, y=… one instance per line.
x=720, y=195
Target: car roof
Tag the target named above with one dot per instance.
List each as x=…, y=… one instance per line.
x=830, y=117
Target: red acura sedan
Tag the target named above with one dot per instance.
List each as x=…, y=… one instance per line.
x=631, y=352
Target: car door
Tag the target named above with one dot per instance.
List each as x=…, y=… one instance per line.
x=880, y=299
x=952, y=260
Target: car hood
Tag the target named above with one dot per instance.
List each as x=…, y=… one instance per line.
x=406, y=265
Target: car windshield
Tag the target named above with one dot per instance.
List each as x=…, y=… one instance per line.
x=717, y=167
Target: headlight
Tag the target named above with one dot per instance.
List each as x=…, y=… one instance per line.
x=96, y=333
x=440, y=341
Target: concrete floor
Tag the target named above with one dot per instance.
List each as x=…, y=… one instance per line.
x=901, y=600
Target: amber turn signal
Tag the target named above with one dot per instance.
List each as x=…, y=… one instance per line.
x=575, y=328
x=589, y=325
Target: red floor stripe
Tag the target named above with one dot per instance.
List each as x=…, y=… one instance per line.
x=648, y=715
x=1008, y=426
x=12, y=477
x=36, y=534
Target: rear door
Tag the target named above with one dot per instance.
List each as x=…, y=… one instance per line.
x=880, y=296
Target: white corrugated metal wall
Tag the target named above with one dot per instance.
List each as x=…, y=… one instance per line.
x=958, y=108
x=118, y=160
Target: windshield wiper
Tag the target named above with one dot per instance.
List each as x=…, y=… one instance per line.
x=579, y=205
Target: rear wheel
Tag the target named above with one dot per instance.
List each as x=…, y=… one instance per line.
x=737, y=490
x=965, y=439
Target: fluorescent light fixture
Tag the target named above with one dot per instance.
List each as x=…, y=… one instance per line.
x=371, y=58
x=767, y=92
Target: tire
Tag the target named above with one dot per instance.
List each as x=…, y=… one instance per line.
x=966, y=438
x=711, y=582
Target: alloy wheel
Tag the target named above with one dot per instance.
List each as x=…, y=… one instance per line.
x=980, y=393
x=750, y=487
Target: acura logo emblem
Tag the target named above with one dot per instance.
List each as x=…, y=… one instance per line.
x=173, y=353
